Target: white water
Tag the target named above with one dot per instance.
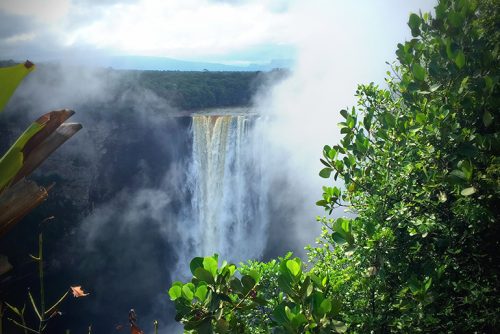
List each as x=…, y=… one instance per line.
x=227, y=213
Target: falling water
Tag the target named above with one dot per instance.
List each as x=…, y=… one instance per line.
x=210, y=144
x=227, y=209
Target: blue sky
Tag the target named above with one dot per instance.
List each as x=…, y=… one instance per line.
x=224, y=31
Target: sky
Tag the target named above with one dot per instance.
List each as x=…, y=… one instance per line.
x=237, y=32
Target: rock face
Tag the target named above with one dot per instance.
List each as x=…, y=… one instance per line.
x=126, y=148
x=99, y=175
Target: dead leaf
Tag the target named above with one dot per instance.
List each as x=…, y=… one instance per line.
x=17, y=201
x=135, y=330
x=132, y=318
x=78, y=291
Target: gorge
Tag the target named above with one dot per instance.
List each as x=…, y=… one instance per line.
x=143, y=189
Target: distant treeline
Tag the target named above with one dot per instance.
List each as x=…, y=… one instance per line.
x=193, y=90
x=199, y=90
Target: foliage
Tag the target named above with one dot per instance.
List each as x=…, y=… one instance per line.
x=18, y=196
x=200, y=90
x=420, y=165
x=43, y=314
x=279, y=294
x=10, y=78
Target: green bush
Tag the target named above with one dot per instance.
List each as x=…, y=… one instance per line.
x=420, y=165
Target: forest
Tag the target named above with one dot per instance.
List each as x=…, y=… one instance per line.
x=184, y=90
x=416, y=178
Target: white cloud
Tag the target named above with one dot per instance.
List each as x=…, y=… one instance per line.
x=220, y=30
x=185, y=29
x=43, y=10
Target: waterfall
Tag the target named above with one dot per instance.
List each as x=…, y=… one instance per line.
x=210, y=144
x=227, y=213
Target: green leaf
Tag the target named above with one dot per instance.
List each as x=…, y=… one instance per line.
x=10, y=78
x=414, y=21
x=14, y=309
x=442, y=197
x=428, y=283
x=351, y=122
x=285, y=283
x=201, y=293
x=293, y=267
x=434, y=88
x=326, y=306
x=248, y=283
x=418, y=72
x=322, y=203
x=344, y=113
x=13, y=159
x=325, y=172
x=324, y=162
x=420, y=117
x=255, y=275
x=456, y=19
x=339, y=326
x=488, y=82
x=279, y=315
x=210, y=264
x=468, y=191
x=195, y=263
x=236, y=285
x=298, y=320
x=338, y=238
x=414, y=284
x=204, y=275
x=332, y=154
x=336, y=307
x=487, y=118
x=460, y=59
x=367, y=122
x=342, y=228
x=187, y=292
x=175, y=292
x=289, y=313
x=414, y=24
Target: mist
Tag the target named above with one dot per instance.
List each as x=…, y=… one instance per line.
x=339, y=46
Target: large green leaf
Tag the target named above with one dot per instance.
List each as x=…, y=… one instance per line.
x=418, y=71
x=293, y=266
x=195, y=263
x=460, y=59
x=35, y=142
x=210, y=264
x=10, y=78
x=175, y=292
x=203, y=275
x=12, y=161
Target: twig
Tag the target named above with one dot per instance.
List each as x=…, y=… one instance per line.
x=23, y=326
x=53, y=307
